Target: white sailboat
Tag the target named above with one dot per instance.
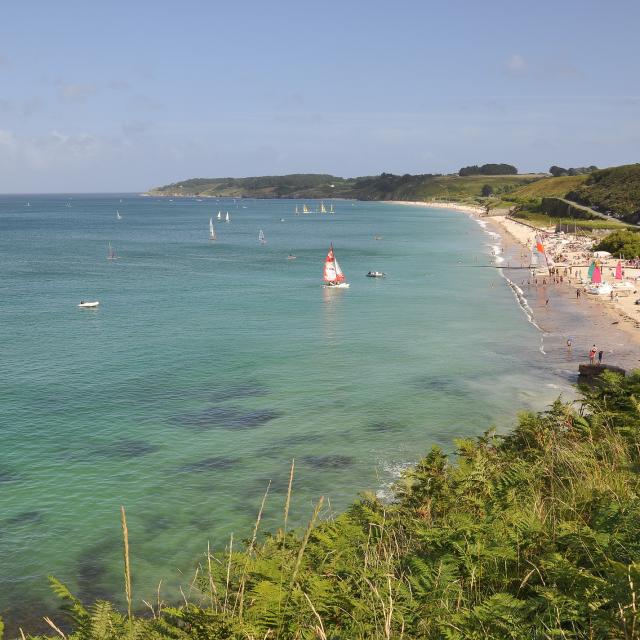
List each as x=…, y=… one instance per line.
x=305, y=209
x=261, y=238
x=219, y=215
x=111, y=253
x=118, y=216
x=333, y=276
x=331, y=208
x=226, y=218
x=212, y=231
x=323, y=209
x=297, y=212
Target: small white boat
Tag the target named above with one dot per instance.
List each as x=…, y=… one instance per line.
x=226, y=218
x=111, y=253
x=333, y=276
x=261, y=238
x=212, y=230
x=376, y=274
x=88, y=305
x=291, y=257
x=219, y=215
x=599, y=289
x=118, y=216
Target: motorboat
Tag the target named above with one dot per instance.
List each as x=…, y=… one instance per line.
x=88, y=305
x=376, y=274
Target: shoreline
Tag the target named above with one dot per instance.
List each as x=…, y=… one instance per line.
x=553, y=307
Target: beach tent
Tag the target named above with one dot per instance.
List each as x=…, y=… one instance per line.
x=601, y=254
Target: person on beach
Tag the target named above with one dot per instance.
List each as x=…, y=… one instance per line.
x=569, y=343
x=600, y=354
x=578, y=294
x=592, y=354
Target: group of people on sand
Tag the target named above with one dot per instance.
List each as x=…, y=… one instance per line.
x=592, y=355
x=593, y=352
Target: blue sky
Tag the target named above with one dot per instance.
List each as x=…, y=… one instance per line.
x=122, y=96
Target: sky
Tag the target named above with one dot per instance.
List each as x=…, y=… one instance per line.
x=120, y=96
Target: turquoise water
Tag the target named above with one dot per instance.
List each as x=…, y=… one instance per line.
x=209, y=366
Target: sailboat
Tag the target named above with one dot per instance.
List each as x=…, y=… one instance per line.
x=219, y=215
x=118, y=216
x=111, y=253
x=305, y=209
x=261, y=238
x=331, y=208
x=212, y=231
x=227, y=219
x=333, y=276
x=297, y=212
x=323, y=209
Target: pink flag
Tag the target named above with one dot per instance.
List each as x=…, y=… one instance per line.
x=597, y=275
x=619, y=270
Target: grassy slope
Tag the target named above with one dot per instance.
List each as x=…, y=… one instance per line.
x=530, y=536
x=550, y=187
x=616, y=189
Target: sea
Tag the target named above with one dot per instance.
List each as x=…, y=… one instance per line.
x=209, y=367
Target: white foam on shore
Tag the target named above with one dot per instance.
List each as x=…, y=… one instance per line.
x=523, y=303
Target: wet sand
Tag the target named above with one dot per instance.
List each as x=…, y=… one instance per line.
x=585, y=321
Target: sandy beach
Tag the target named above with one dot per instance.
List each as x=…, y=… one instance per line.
x=551, y=302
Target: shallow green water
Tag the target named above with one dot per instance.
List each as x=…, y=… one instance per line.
x=209, y=366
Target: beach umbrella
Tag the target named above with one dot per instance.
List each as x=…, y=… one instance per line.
x=592, y=266
x=596, y=277
x=619, y=270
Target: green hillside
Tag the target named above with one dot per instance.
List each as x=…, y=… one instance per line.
x=550, y=187
x=386, y=186
x=616, y=189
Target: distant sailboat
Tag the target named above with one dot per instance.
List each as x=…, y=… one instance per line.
x=297, y=212
x=261, y=238
x=212, y=231
x=331, y=208
x=118, y=216
x=28, y=204
x=227, y=219
x=323, y=209
x=219, y=215
x=305, y=209
x=333, y=276
x=111, y=253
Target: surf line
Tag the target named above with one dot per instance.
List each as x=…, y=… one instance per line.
x=518, y=293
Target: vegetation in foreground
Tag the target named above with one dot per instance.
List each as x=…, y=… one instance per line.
x=529, y=535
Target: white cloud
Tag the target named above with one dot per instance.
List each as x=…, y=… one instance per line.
x=516, y=64
x=76, y=92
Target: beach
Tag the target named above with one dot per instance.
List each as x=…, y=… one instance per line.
x=551, y=302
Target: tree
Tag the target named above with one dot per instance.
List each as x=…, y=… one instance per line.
x=556, y=171
x=487, y=190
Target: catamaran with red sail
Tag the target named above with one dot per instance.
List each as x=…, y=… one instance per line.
x=333, y=276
